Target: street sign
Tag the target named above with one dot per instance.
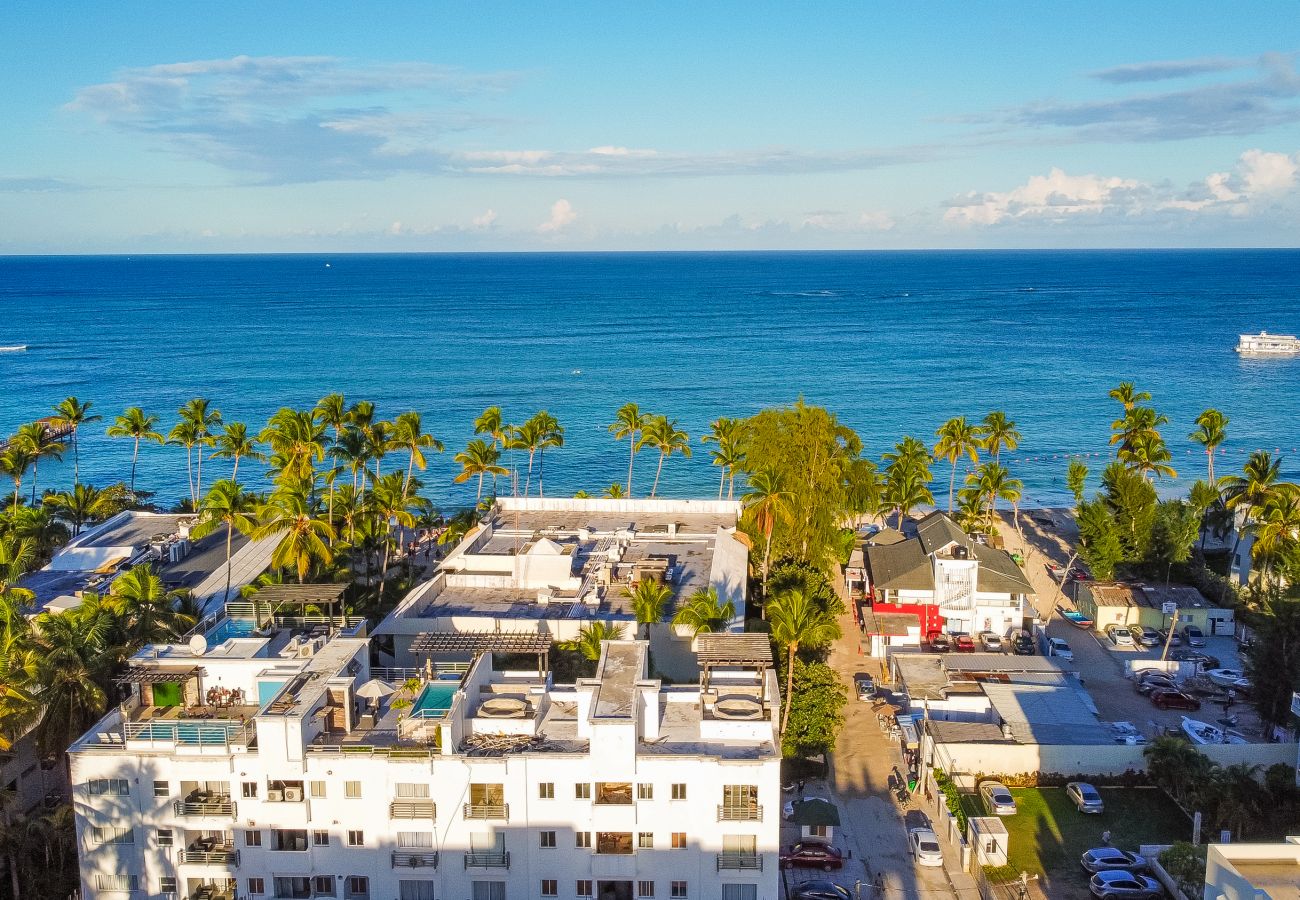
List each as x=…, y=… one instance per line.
x=1169, y=607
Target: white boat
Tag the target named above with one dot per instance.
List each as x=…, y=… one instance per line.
x=13, y=348
x=1229, y=678
x=1265, y=344
x=1205, y=733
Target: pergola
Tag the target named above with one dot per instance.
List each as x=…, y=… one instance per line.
x=745, y=650
x=433, y=643
x=142, y=675
x=277, y=596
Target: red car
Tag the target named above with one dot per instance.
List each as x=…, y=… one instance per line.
x=1174, y=700
x=938, y=642
x=812, y=855
x=963, y=643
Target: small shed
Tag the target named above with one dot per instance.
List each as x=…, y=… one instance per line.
x=988, y=835
x=817, y=819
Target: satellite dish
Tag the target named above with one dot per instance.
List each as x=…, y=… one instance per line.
x=198, y=645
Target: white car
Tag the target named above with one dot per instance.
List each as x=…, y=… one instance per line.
x=991, y=642
x=1058, y=647
x=925, y=847
x=1119, y=636
x=997, y=799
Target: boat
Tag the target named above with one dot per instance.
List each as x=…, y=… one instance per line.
x=13, y=348
x=1265, y=344
x=1229, y=678
x=1075, y=618
x=1205, y=733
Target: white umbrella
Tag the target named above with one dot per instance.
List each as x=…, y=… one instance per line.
x=375, y=688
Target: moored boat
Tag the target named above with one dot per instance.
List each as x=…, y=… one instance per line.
x=1205, y=733
x=1265, y=344
x=13, y=348
x=1075, y=618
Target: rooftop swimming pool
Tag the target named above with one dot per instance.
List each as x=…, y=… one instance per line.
x=230, y=628
x=434, y=701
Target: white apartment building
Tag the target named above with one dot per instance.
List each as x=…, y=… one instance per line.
x=268, y=762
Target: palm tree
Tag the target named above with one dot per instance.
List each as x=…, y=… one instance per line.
x=765, y=502
x=649, y=598
x=1204, y=498
x=479, y=458
x=1276, y=528
x=527, y=436
x=409, y=435
x=1241, y=796
x=1138, y=421
x=297, y=437
x=999, y=433
x=957, y=438
x=350, y=450
x=389, y=503
x=379, y=440
x=1128, y=394
x=1148, y=454
x=614, y=492
x=491, y=424
x=994, y=482
x=288, y=513
x=80, y=505
x=726, y=434
x=134, y=423
x=234, y=443
x=69, y=668
x=71, y=413
x=183, y=434
x=148, y=610
x=667, y=438
x=704, y=612
x=38, y=524
x=15, y=460
x=907, y=477
x=1176, y=765
x=228, y=504
x=1211, y=431
x=628, y=423
x=203, y=419
x=1247, y=493
x=552, y=435
x=332, y=411
x=39, y=441
x=592, y=637
x=797, y=619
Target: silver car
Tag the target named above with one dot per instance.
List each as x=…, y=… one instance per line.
x=1085, y=797
x=1101, y=859
x=1119, y=883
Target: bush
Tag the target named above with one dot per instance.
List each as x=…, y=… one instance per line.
x=952, y=798
x=1129, y=778
x=1185, y=865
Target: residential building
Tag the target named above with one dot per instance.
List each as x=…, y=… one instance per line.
x=1137, y=603
x=1269, y=871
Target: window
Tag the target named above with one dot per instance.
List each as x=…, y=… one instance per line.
x=293, y=887
x=412, y=791
x=679, y=791
x=256, y=886
x=356, y=838
x=323, y=886
x=162, y=789
x=740, y=796
x=550, y=887
x=320, y=838
x=645, y=791
x=614, y=842
x=677, y=891
x=582, y=791
x=583, y=888
x=253, y=838
x=645, y=888
x=583, y=839
x=645, y=840
x=546, y=840
x=415, y=840
x=352, y=790
x=116, y=786
x=290, y=839
x=117, y=882
x=818, y=831
x=613, y=793
x=358, y=887
x=111, y=834
x=546, y=790
x=740, y=892
x=317, y=789
x=679, y=840
x=488, y=890
x=164, y=837
x=248, y=790
x=167, y=884
x=415, y=890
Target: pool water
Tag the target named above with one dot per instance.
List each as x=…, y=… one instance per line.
x=230, y=628
x=434, y=701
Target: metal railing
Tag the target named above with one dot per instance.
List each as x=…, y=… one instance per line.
x=217, y=806
x=487, y=811
x=739, y=813
x=740, y=861
x=214, y=734
x=412, y=809
x=219, y=857
x=487, y=859
x=415, y=859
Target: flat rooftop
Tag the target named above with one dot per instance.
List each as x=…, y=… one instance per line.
x=135, y=531
x=1151, y=596
x=1278, y=879
x=205, y=557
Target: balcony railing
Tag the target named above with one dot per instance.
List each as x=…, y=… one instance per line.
x=740, y=861
x=739, y=813
x=487, y=811
x=487, y=859
x=217, y=857
x=412, y=809
x=415, y=859
x=208, y=735
x=216, y=806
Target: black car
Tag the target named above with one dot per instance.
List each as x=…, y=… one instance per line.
x=820, y=890
x=1185, y=654
x=1022, y=644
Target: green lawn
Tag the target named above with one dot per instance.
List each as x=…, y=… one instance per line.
x=1047, y=834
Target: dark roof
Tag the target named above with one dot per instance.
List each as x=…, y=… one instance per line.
x=886, y=536
x=891, y=624
x=999, y=572
x=937, y=531
x=815, y=811
x=906, y=566
x=734, y=649
x=481, y=642
x=900, y=566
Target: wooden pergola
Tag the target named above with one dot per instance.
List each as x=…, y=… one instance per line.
x=750, y=651
x=433, y=643
x=278, y=596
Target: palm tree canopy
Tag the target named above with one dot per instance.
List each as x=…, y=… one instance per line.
x=1211, y=429
x=200, y=413
x=479, y=457
x=226, y=504
x=958, y=438
x=705, y=612
x=1128, y=394
x=409, y=434
x=663, y=434
x=649, y=598
x=235, y=441
x=628, y=422
x=72, y=413
x=136, y=423
x=332, y=411
x=999, y=433
x=591, y=637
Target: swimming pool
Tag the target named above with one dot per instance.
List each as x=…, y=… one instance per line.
x=230, y=628
x=434, y=701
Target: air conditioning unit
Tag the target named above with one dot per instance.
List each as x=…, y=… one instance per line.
x=293, y=795
x=275, y=796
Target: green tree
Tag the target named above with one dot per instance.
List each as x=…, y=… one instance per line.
x=80, y=505
x=727, y=456
x=528, y=437
x=297, y=441
x=815, y=707
x=69, y=662
x=551, y=434
x=629, y=422
x=409, y=435
x=149, y=613
x=1276, y=530
x=1099, y=539
x=202, y=419
x=491, y=424
x=994, y=482
x=999, y=434
x=479, y=458
x=649, y=598
x=1136, y=422
x=303, y=535
x=391, y=505
x=15, y=460
x=1149, y=455
x=1245, y=494
x=614, y=492
x=1173, y=533
x=71, y=413
x=1128, y=395
x=766, y=504
x=1176, y=766
x=1272, y=659
x=1211, y=431
x=235, y=443
x=907, y=477
x=663, y=434
x=137, y=425
x=704, y=612
x=1132, y=501
x=591, y=638
x=798, y=620
x=40, y=443
x=957, y=438
x=227, y=504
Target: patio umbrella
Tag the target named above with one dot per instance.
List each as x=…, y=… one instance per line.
x=375, y=688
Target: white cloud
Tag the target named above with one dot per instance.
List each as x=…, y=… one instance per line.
x=1258, y=176
x=846, y=223
x=395, y=228
x=1055, y=195
x=562, y=216
x=485, y=221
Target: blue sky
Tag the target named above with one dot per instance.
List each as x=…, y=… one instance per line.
x=282, y=126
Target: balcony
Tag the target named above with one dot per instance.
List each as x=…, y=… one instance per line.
x=217, y=856
x=210, y=806
x=740, y=862
x=499, y=811
x=416, y=859
x=487, y=859
x=413, y=809
x=740, y=813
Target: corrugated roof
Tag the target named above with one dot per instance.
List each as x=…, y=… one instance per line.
x=1046, y=714
x=901, y=566
x=891, y=624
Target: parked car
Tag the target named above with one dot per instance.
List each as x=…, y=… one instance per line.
x=1229, y=678
x=1101, y=859
x=939, y=642
x=1174, y=641
x=1085, y=797
x=1058, y=647
x=1119, y=636
x=866, y=686
x=992, y=643
x=1194, y=636
x=962, y=643
x=925, y=847
x=812, y=855
x=1205, y=660
x=820, y=890
x=1022, y=644
x=1119, y=883
x=997, y=799
x=1163, y=699
x=1147, y=637
x=1155, y=683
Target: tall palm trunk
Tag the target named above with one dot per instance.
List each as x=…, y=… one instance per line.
x=234, y=473
x=135, y=455
x=631, y=458
x=722, y=482
x=528, y=483
x=731, y=483
x=654, y=490
x=479, y=498
x=198, y=478
x=36, y=471
x=767, y=559
x=76, y=459
x=789, y=683
x=229, y=535
x=410, y=467
x=952, y=485
x=189, y=472
x=541, y=473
